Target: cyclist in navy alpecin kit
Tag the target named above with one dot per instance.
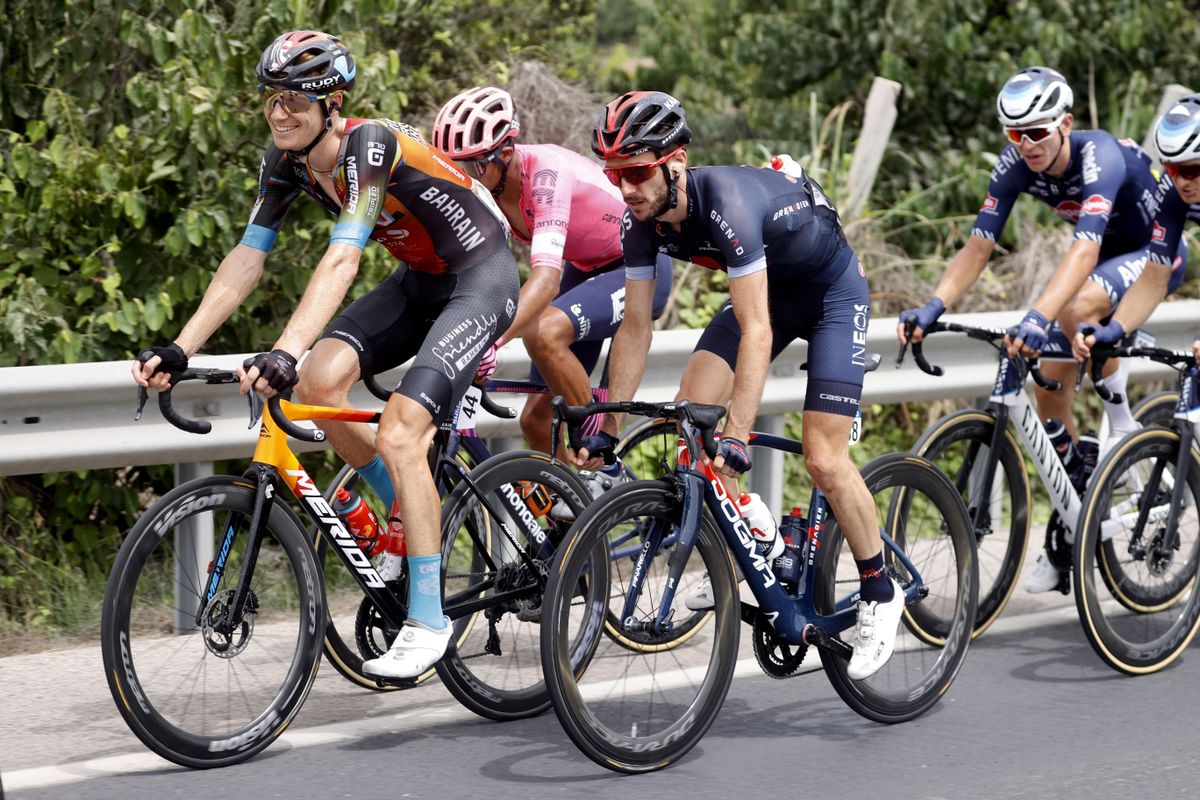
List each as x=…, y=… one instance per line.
x=453, y=294
x=791, y=275
x=560, y=203
x=1106, y=189
x=1177, y=139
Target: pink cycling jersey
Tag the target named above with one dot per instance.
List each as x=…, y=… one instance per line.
x=570, y=208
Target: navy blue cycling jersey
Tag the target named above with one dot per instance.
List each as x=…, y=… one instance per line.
x=1168, y=227
x=742, y=219
x=1108, y=192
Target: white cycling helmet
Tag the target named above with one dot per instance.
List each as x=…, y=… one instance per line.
x=1177, y=134
x=1032, y=95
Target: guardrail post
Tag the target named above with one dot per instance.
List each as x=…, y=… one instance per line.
x=193, y=553
x=766, y=477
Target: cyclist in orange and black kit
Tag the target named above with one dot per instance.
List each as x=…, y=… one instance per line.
x=454, y=292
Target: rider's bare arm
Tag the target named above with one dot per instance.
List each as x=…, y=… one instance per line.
x=630, y=344
x=748, y=294
x=330, y=282
x=541, y=288
x=1069, y=278
x=964, y=269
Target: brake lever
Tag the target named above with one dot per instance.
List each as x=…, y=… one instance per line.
x=142, y=396
x=257, y=404
x=1079, y=374
x=909, y=327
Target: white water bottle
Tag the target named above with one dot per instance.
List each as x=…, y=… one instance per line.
x=787, y=165
x=762, y=524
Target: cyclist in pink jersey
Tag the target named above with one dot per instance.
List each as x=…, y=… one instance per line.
x=560, y=203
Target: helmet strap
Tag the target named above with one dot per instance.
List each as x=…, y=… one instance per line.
x=324, y=130
x=672, y=190
x=1062, y=142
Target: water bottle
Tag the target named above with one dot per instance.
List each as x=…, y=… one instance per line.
x=360, y=521
x=789, y=566
x=1060, y=440
x=787, y=165
x=762, y=525
x=390, y=565
x=1088, y=448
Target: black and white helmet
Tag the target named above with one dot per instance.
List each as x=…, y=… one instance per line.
x=1032, y=95
x=307, y=61
x=1177, y=134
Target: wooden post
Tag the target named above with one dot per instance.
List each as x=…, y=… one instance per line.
x=878, y=119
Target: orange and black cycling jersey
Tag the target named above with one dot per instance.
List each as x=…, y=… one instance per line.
x=391, y=187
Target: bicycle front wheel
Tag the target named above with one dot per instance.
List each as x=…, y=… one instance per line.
x=1135, y=579
x=960, y=446
x=636, y=710
x=198, y=688
x=924, y=515
x=493, y=668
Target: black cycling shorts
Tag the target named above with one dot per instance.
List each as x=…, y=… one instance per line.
x=446, y=321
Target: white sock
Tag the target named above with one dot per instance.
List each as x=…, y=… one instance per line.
x=1120, y=415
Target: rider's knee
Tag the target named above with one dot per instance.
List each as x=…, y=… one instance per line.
x=404, y=441
x=550, y=332
x=826, y=468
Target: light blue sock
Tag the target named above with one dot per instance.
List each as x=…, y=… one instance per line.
x=376, y=475
x=425, y=590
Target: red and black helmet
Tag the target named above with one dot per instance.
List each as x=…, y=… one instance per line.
x=637, y=122
x=307, y=61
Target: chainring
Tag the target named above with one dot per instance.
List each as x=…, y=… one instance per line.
x=778, y=659
x=372, y=632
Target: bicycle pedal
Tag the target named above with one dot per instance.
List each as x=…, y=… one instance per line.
x=399, y=683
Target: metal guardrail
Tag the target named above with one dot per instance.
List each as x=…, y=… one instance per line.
x=80, y=416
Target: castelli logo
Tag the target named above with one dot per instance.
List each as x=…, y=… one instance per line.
x=1160, y=233
x=1068, y=210
x=989, y=203
x=1096, y=204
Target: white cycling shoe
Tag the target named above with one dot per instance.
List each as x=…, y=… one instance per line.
x=417, y=648
x=1044, y=577
x=700, y=598
x=875, y=634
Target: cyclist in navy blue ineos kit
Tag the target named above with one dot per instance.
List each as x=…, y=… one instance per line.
x=791, y=275
x=1102, y=185
x=453, y=294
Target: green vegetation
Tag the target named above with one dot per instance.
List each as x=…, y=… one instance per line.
x=130, y=134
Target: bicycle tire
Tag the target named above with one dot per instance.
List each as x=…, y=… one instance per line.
x=927, y=518
x=156, y=715
x=353, y=635
x=1001, y=552
x=1144, y=631
x=501, y=678
x=581, y=694
x=1156, y=409
x=647, y=449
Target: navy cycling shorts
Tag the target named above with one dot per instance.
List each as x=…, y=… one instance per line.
x=595, y=303
x=831, y=317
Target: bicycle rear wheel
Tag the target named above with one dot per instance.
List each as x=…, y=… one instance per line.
x=925, y=517
x=494, y=668
x=636, y=710
x=208, y=694
x=1137, y=594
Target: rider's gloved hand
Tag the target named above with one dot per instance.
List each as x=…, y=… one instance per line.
x=924, y=316
x=171, y=359
x=736, y=454
x=1033, y=330
x=277, y=368
x=601, y=445
x=487, y=364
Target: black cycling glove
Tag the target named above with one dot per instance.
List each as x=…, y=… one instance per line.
x=172, y=358
x=737, y=455
x=602, y=445
x=277, y=368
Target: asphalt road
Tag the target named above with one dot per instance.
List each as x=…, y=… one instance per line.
x=1033, y=714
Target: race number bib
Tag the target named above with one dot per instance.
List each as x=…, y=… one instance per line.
x=468, y=409
x=856, y=429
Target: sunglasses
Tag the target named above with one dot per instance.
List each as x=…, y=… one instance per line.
x=1035, y=133
x=480, y=164
x=638, y=173
x=292, y=102
x=1189, y=172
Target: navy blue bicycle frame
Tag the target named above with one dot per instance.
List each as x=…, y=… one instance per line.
x=788, y=613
